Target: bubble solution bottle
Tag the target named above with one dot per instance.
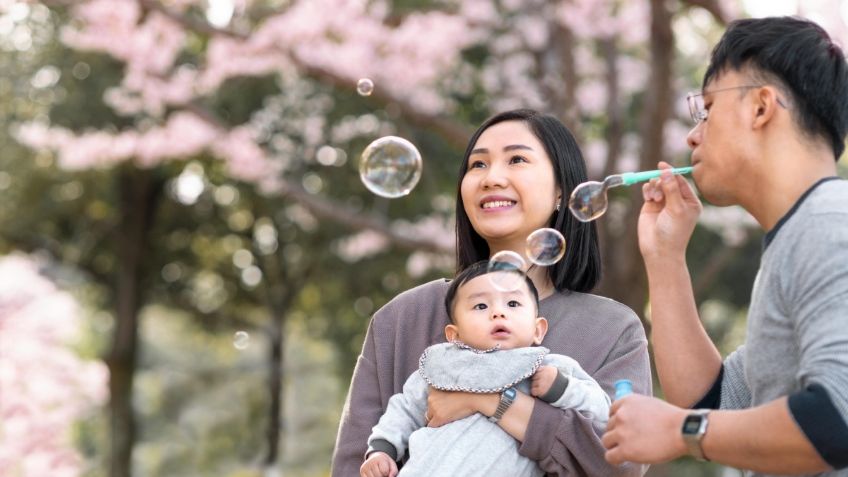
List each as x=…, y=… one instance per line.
x=623, y=387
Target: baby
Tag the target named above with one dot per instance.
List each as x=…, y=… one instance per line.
x=490, y=350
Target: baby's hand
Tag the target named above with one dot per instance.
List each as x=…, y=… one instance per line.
x=542, y=380
x=378, y=464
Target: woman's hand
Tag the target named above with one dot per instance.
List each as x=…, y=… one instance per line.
x=444, y=407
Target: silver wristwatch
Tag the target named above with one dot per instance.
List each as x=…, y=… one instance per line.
x=693, y=430
x=507, y=398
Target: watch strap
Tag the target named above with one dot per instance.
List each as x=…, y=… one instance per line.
x=507, y=398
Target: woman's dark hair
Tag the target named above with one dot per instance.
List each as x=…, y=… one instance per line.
x=475, y=270
x=799, y=56
x=580, y=268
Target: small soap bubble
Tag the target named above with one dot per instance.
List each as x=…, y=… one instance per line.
x=241, y=340
x=390, y=167
x=506, y=270
x=365, y=87
x=588, y=201
x=545, y=246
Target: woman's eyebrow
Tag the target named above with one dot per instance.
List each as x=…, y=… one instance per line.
x=512, y=147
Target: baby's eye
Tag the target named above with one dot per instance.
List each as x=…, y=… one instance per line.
x=480, y=306
x=513, y=304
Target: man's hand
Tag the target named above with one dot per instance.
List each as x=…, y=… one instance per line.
x=645, y=430
x=378, y=464
x=668, y=215
x=444, y=407
x=543, y=379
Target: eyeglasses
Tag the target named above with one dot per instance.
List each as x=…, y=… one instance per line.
x=696, y=102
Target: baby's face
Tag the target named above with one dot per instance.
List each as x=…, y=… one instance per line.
x=485, y=317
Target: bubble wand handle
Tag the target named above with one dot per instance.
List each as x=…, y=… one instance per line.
x=630, y=178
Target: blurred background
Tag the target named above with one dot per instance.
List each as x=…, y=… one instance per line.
x=188, y=258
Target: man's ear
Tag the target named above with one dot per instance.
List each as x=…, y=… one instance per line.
x=541, y=330
x=451, y=332
x=767, y=103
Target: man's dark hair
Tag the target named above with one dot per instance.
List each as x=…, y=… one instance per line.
x=801, y=59
x=473, y=271
x=580, y=268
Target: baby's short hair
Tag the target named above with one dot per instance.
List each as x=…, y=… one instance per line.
x=473, y=271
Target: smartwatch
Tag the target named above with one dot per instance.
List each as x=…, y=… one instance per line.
x=693, y=430
x=507, y=398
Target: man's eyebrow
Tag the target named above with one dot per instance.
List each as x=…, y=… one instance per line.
x=511, y=147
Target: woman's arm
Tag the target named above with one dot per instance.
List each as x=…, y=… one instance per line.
x=361, y=412
x=566, y=442
x=563, y=442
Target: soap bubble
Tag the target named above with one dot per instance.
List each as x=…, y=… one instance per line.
x=545, y=246
x=588, y=201
x=241, y=340
x=365, y=87
x=390, y=167
x=506, y=270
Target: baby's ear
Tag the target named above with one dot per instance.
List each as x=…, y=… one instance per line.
x=451, y=332
x=541, y=330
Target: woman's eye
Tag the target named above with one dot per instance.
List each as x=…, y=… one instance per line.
x=476, y=165
x=515, y=159
x=480, y=306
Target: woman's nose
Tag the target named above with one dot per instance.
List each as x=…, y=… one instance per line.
x=494, y=177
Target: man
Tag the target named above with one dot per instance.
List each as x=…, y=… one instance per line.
x=770, y=120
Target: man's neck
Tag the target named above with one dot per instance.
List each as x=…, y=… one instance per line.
x=783, y=180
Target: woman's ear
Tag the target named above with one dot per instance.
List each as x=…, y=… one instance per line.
x=451, y=332
x=541, y=330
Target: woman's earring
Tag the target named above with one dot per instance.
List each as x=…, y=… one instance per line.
x=558, y=206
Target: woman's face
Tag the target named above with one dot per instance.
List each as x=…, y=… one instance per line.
x=509, y=190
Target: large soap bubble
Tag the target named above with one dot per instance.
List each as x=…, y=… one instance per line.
x=390, y=167
x=545, y=246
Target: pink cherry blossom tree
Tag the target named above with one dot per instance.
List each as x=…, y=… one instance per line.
x=45, y=385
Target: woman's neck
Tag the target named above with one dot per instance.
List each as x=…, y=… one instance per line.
x=540, y=278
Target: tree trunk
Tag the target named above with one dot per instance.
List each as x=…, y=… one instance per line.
x=138, y=195
x=275, y=385
x=625, y=278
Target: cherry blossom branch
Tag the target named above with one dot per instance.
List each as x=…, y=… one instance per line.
x=713, y=7
x=455, y=133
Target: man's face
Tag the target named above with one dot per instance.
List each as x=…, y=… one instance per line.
x=722, y=143
x=485, y=317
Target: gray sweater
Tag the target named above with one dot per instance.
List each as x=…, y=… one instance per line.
x=797, y=338
x=474, y=446
x=604, y=336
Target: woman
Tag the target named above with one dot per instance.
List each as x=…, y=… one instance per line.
x=518, y=170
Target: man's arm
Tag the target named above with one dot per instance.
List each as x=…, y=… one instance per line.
x=764, y=439
x=687, y=361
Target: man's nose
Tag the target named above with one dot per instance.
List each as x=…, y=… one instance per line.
x=693, y=139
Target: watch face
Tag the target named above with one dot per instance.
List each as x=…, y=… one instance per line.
x=692, y=424
x=510, y=393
